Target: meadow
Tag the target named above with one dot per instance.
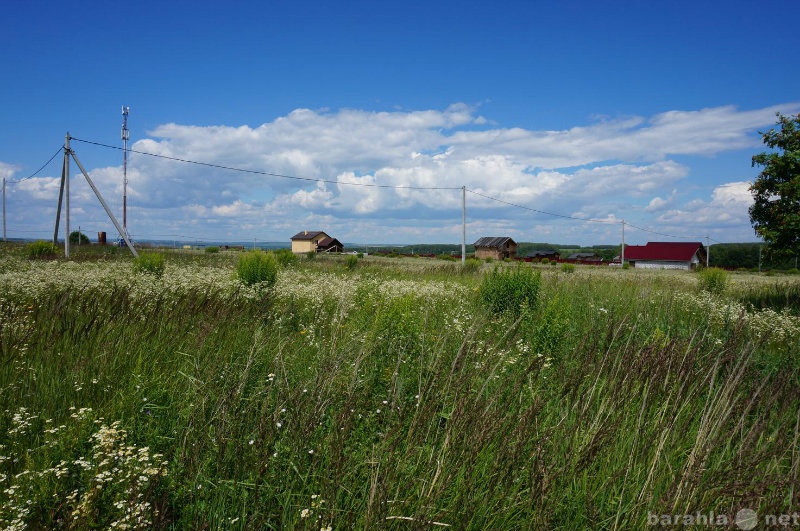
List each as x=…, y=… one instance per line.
x=381, y=393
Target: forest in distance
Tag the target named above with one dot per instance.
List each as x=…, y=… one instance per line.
x=723, y=255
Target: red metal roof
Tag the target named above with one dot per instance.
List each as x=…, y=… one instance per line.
x=668, y=251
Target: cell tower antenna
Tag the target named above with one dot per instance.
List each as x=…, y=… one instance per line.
x=125, y=136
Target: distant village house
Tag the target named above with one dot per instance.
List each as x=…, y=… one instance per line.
x=315, y=241
x=585, y=258
x=666, y=255
x=496, y=247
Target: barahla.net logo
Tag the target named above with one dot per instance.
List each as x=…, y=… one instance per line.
x=745, y=519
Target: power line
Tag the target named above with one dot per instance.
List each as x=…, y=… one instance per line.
x=31, y=176
x=329, y=181
x=271, y=174
x=588, y=220
x=653, y=231
x=541, y=211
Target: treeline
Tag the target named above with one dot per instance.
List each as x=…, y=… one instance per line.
x=608, y=252
x=748, y=256
x=725, y=255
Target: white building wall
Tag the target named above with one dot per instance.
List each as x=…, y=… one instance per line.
x=655, y=264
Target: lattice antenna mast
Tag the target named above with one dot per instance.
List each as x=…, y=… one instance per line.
x=125, y=136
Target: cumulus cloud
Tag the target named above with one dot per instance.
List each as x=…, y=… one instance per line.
x=404, y=169
x=728, y=205
x=7, y=170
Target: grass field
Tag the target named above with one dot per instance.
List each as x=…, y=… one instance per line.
x=392, y=394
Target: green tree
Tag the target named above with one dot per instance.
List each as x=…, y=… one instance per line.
x=775, y=214
x=78, y=238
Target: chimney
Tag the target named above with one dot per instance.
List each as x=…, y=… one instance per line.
x=305, y=233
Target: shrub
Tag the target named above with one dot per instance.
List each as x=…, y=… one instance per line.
x=448, y=257
x=311, y=255
x=568, y=268
x=360, y=255
x=713, y=280
x=510, y=290
x=544, y=261
x=42, y=249
x=78, y=238
x=626, y=265
x=285, y=257
x=351, y=262
x=489, y=259
x=257, y=267
x=471, y=265
x=212, y=249
x=150, y=264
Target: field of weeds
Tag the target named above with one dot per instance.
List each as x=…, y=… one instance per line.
x=392, y=394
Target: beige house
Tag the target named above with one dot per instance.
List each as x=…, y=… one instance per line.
x=496, y=247
x=307, y=241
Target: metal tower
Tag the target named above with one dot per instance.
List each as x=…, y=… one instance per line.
x=125, y=137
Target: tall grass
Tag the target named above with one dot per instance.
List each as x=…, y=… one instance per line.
x=257, y=267
x=363, y=400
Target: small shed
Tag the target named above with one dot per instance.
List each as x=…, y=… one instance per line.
x=538, y=256
x=307, y=241
x=496, y=247
x=585, y=258
x=330, y=245
x=666, y=255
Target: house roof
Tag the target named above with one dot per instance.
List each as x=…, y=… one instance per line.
x=308, y=235
x=494, y=242
x=667, y=251
x=581, y=256
x=329, y=242
x=536, y=254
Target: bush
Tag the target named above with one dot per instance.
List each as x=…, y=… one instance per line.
x=489, y=259
x=78, y=238
x=351, y=262
x=257, y=267
x=42, y=249
x=544, y=261
x=471, y=265
x=568, y=268
x=149, y=264
x=212, y=249
x=311, y=255
x=285, y=257
x=713, y=280
x=510, y=290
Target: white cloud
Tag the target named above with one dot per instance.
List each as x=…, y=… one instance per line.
x=613, y=167
x=7, y=170
x=728, y=205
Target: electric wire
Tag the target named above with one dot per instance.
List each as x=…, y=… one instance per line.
x=371, y=185
x=270, y=174
x=31, y=176
x=541, y=211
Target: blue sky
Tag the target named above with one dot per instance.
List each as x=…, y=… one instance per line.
x=647, y=112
